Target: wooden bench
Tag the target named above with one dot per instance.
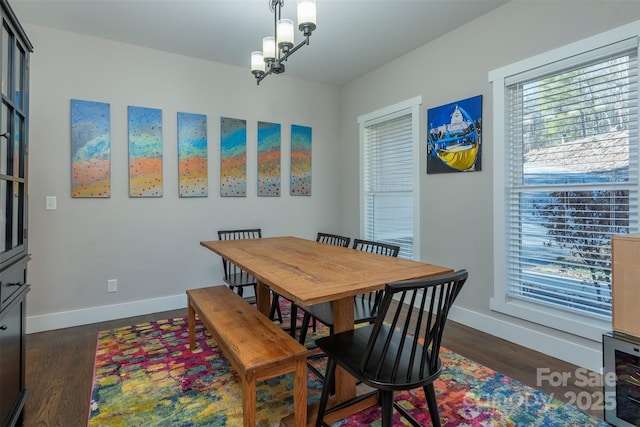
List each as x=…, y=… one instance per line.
x=257, y=348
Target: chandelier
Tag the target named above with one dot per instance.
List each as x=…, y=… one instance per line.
x=278, y=48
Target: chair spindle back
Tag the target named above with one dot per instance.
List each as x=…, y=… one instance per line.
x=333, y=239
x=411, y=343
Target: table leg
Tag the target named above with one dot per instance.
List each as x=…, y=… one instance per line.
x=192, y=326
x=263, y=298
x=343, y=318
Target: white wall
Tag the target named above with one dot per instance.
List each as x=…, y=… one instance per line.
x=456, y=211
x=151, y=245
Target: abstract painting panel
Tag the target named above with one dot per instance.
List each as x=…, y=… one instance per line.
x=90, y=149
x=269, y=159
x=192, y=155
x=233, y=157
x=145, y=152
x=300, y=160
x=454, y=135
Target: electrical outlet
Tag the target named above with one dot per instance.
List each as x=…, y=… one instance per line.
x=112, y=285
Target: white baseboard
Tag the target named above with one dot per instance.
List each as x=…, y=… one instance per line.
x=559, y=348
x=85, y=316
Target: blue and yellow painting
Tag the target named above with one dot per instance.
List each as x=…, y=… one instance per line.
x=454, y=135
x=145, y=152
x=300, y=160
x=269, y=137
x=233, y=157
x=192, y=155
x=90, y=149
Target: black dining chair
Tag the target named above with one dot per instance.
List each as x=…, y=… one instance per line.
x=365, y=306
x=329, y=239
x=236, y=278
x=333, y=239
x=400, y=350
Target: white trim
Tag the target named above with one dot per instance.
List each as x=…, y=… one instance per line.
x=411, y=105
x=559, y=348
x=85, y=316
x=575, y=324
x=390, y=110
x=415, y=117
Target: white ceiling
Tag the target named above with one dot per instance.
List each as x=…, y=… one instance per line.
x=353, y=37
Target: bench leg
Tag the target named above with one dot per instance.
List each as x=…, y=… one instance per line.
x=249, y=400
x=192, y=327
x=300, y=392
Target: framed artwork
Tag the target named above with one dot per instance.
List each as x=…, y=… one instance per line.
x=192, y=155
x=233, y=157
x=269, y=136
x=90, y=149
x=145, y=152
x=454, y=137
x=300, y=160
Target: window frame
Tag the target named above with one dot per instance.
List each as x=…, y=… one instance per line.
x=410, y=106
x=590, y=328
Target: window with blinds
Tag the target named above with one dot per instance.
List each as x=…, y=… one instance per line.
x=570, y=177
x=388, y=179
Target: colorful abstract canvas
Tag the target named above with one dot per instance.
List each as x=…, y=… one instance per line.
x=233, y=157
x=455, y=137
x=268, y=159
x=300, y=160
x=90, y=149
x=145, y=152
x=192, y=155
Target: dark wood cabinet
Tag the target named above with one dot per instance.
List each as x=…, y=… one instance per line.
x=13, y=390
x=15, y=48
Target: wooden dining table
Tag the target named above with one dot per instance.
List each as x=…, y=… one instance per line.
x=307, y=272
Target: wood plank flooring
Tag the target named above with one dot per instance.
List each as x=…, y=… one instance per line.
x=60, y=367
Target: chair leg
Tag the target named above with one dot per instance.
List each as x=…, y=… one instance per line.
x=326, y=390
x=240, y=290
x=386, y=402
x=293, y=319
x=304, y=327
x=275, y=312
x=430, y=394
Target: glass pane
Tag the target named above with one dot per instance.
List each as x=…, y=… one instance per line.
x=5, y=60
x=16, y=223
x=3, y=218
x=17, y=76
x=4, y=122
x=575, y=124
x=564, y=255
x=18, y=133
x=627, y=386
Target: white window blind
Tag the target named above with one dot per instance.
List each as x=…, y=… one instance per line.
x=571, y=177
x=388, y=182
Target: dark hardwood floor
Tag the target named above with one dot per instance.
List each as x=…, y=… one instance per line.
x=60, y=368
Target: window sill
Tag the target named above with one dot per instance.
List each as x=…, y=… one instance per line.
x=575, y=324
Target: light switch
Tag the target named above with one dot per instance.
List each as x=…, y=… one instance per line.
x=50, y=203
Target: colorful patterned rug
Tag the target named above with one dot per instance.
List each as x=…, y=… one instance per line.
x=145, y=375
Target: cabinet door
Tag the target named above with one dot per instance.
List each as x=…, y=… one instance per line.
x=11, y=360
x=13, y=141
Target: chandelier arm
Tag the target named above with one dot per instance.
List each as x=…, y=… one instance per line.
x=262, y=77
x=292, y=50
